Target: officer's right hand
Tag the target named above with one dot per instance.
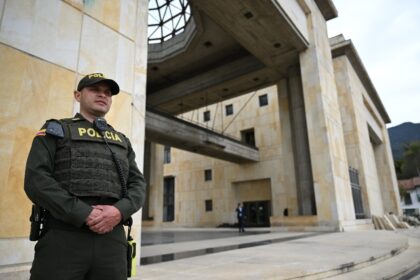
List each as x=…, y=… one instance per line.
x=109, y=217
x=93, y=214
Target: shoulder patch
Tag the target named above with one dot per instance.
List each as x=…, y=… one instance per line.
x=55, y=128
x=40, y=132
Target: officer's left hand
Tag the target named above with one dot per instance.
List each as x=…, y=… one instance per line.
x=107, y=220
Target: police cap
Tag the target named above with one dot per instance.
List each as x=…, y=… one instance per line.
x=95, y=78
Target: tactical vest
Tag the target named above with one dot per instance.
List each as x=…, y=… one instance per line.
x=83, y=162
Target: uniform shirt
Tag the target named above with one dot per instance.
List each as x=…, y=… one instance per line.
x=44, y=190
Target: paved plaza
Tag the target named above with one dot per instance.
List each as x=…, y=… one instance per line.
x=198, y=253
x=265, y=254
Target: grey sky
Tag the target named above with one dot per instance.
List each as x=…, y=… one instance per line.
x=386, y=34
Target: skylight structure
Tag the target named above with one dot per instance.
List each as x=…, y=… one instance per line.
x=167, y=18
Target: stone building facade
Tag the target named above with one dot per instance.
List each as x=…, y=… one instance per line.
x=269, y=186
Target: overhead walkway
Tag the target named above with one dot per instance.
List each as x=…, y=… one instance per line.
x=169, y=130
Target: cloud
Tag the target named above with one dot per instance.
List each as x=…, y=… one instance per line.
x=384, y=34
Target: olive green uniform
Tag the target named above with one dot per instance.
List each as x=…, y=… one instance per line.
x=66, y=179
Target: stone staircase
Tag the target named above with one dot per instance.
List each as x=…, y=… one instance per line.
x=404, y=265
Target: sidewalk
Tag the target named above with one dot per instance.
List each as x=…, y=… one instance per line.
x=309, y=257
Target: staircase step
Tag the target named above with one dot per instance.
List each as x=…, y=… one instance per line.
x=175, y=251
x=392, y=268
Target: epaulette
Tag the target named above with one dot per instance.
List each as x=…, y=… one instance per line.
x=70, y=120
x=117, y=131
x=54, y=128
x=113, y=129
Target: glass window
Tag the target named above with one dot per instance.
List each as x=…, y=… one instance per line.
x=168, y=199
x=209, y=205
x=229, y=109
x=206, y=116
x=407, y=199
x=248, y=136
x=356, y=191
x=167, y=155
x=263, y=100
x=207, y=175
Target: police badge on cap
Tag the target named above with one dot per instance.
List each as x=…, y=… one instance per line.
x=94, y=78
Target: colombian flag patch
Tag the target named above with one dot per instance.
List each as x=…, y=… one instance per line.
x=41, y=132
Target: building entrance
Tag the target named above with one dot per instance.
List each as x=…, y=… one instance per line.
x=257, y=213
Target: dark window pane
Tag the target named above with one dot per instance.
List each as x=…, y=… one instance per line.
x=263, y=100
x=248, y=136
x=168, y=199
x=407, y=199
x=206, y=116
x=207, y=175
x=356, y=193
x=167, y=155
x=229, y=109
x=209, y=205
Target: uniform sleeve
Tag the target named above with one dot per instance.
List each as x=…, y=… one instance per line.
x=136, y=188
x=44, y=190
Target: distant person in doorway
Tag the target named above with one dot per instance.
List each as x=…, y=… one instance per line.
x=240, y=215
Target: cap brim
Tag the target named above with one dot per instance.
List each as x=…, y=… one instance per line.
x=115, y=88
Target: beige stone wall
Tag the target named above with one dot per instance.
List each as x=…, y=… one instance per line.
x=361, y=122
x=28, y=94
x=46, y=46
x=354, y=125
x=270, y=179
x=258, y=190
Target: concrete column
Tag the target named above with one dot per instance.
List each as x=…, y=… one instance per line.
x=284, y=190
x=303, y=171
x=147, y=177
x=138, y=117
x=325, y=132
x=155, y=193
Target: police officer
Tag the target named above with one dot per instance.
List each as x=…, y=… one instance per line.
x=71, y=173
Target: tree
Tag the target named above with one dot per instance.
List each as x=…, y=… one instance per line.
x=410, y=163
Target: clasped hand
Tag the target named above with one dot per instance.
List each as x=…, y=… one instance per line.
x=103, y=218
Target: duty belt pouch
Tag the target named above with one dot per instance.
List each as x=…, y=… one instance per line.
x=38, y=223
x=131, y=253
